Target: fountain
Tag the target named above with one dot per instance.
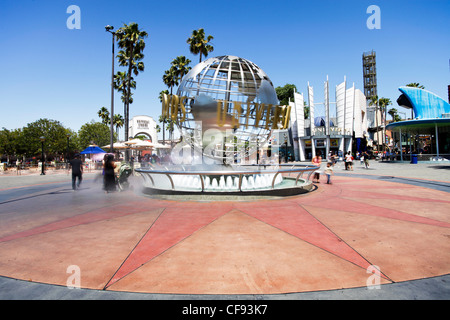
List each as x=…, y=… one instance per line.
x=215, y=183
x=227, y=111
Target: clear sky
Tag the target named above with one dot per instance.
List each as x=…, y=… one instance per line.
x=50, y=71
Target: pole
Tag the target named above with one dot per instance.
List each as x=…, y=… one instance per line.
x=42, y=158
x=111, y=140
x=67, y=153
x=401, y=146
x=437, y=140
x=345, y=111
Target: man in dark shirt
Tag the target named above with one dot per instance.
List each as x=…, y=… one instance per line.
x=77, y=171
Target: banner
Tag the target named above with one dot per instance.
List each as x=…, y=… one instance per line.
x=311, y=108
x=327, y=108
x=340, y=105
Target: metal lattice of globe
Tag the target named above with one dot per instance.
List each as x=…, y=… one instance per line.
x=240, y=87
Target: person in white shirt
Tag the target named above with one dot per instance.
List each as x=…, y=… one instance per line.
x=349, y=161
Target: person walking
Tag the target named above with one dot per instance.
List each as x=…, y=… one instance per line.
x=329, y=172
x=317, y=161
x=77, y=171
x=109, y=176
x=349, y=161
x=366, y=159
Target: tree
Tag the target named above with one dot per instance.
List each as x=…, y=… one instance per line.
x=120, y=84
x=373, y=101
x=170, y=128
x=198, y=44
x=181, y=66
x=285, y=93
x=163, y=118
x=118, y=122
x=415, y=85
x=94, y=133
x=170, y=78
x=384, y=103
x=306, y=110
x=132, y=44
x=103, y=113
x=9, y=143
x=55, y=135
x=394, y=114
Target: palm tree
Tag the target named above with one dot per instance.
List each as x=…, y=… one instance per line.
x=170, y=128
x=120, y=84
x=170, y=78
x=181, y=66
x=118, y=122
x=384, y=103
x=415, y=85
x=394, y=114
x=103, y=113
x=374, y=102
x=161, y=95
x=198, y=44
x=131, y=42
x=163, y=118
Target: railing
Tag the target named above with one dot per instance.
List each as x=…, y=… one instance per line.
x=200, y=179
x=420, y=157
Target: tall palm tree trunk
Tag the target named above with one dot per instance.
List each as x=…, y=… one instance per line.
x=127, y=111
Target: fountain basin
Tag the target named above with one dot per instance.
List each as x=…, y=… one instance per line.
x=221, y=182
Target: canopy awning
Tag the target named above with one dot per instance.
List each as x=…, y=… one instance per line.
x=418, y=125
x=116, y=145
x=92, y=149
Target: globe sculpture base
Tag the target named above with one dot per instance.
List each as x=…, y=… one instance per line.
x=227, y=182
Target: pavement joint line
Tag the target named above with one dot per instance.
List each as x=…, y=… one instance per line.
x=414, y=286
x=131, y=252
x=340, y=239
x=408, y=181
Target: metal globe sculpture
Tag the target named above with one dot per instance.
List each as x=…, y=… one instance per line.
x=226, y=106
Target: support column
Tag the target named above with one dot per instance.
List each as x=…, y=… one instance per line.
x=401, y=146
x=313, y=147
x=437, y=139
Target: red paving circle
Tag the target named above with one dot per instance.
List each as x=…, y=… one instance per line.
x=325, y=240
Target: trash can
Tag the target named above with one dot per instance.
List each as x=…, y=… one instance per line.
x=414, y=158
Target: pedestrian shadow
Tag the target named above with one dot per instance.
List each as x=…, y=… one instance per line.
x=440, y=167
x=57, y=192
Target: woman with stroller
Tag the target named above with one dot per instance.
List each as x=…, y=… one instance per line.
x=109, y=177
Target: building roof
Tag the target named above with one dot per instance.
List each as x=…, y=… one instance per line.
x=430, y=110
x=425, y=104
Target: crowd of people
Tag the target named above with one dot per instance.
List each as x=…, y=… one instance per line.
x=332, y=159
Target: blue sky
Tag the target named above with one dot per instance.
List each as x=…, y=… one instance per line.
x=50, y=71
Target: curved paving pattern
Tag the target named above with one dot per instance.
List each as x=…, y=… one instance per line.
x=322, y=241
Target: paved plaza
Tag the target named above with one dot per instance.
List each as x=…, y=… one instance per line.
x=392, y=218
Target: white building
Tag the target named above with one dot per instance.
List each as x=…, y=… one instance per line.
x=332, y=130
x=143, y=125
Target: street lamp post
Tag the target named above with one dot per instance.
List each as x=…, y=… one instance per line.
x=108, y=28
x=42, y=158
x=257, y=150
x=285, y=149
x=67, y=151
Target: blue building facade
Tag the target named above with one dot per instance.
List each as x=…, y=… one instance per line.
x=431, y=118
